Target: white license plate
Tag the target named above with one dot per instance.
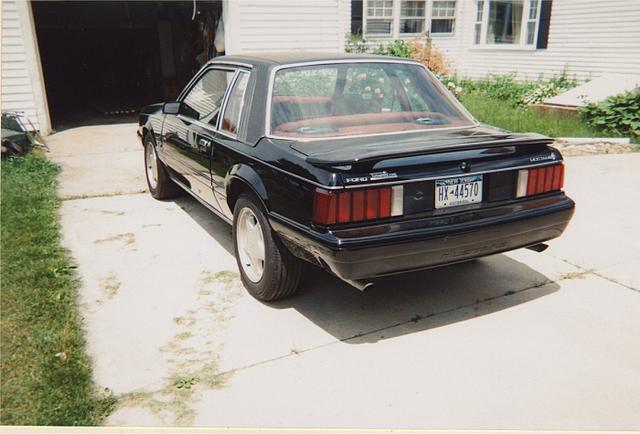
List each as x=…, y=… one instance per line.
x=458, y=191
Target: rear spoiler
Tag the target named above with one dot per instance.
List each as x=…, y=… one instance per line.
x=373, y=152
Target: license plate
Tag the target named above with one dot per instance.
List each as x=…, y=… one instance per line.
x=458, y=191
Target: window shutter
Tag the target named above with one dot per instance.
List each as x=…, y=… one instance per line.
x=543, y=27
x=356, y=16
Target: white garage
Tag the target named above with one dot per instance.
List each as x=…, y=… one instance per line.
x=73, y=63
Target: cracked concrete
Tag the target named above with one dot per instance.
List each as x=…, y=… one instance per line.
x=520, y=340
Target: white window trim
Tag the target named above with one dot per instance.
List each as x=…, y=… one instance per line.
x=395, y=22
x=401, y=17
x=522, y=46
x=454, y=18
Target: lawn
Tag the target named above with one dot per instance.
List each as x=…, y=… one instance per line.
x=45, y=372
x=519, y=119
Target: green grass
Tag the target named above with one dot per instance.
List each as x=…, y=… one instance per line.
x=518, y=119
x=45, y=372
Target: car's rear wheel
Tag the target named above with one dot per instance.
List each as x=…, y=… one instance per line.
x=158, y=181
x=268, y=270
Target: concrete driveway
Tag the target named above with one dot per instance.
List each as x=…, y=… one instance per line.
x=520, y=340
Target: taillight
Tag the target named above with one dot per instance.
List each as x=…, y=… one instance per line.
x=540, y=180
x=357, y=205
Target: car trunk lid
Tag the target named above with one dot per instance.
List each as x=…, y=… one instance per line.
x=371, y=149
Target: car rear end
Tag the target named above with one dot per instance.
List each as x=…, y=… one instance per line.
x=415, y=181
x=398, y=213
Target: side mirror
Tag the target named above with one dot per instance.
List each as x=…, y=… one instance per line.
x=171, y=108
x=179, y=108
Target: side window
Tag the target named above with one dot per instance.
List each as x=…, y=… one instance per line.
x=206, y=96
x=231, y=118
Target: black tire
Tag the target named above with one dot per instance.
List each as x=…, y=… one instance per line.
x=281, y=272
x=164, y=187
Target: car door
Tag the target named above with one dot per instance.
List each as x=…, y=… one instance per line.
x=188, y=137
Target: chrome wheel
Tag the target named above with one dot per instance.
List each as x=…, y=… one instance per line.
x=151, y=160
x=250, y=243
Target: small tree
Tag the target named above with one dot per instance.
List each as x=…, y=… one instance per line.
x=427, y=54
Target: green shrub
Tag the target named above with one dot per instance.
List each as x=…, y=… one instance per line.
x=505, y=87
x=397, y=48
x=617, y=115
x=355, y=43
x=501, y=87
x=544, y=89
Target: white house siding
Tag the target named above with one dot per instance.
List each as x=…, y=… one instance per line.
x=281, y=25
x=22, y=82
x=588, y=37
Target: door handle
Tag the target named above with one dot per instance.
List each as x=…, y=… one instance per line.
x=204, y=143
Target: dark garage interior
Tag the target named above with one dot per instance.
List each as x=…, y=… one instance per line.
x=102, y=61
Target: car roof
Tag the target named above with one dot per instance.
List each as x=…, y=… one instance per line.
x=291, y=57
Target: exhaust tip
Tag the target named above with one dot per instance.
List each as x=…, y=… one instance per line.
x=362, y=285
x=540, y=247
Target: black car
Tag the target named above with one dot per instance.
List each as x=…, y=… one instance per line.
x=362, y=165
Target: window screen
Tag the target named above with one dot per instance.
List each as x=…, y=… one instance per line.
x=412, y=16
x=443, y=15
x=379, y=17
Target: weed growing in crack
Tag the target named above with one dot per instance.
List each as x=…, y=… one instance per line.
x=127, y=238
x=110, y=286
x=197, y=372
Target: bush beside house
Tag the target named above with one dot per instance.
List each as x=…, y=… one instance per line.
x=616, y=115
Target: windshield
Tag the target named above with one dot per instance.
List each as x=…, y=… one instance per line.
x=360, y=98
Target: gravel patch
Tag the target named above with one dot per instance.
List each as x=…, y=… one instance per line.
x=590, y=147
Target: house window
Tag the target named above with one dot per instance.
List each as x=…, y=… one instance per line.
x=379, y=17
x=400, y=18
x=507, y=22
x=412, y=16
x=443, y=16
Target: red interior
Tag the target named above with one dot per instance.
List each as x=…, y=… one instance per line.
x=368, y=123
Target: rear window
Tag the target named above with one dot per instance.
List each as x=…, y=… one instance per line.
x=360, y=98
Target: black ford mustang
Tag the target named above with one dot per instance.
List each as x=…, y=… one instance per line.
x=362, y=165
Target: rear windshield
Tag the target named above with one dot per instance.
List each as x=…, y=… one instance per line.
x=360, y=98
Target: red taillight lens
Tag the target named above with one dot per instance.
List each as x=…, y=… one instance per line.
x=344, y=207
x=540, y=180
x=324, y=209
x=357, y=205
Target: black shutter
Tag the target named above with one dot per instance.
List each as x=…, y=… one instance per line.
x=543, y=27
x=356, y=16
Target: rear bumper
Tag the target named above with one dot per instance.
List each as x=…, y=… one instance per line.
x=408, y=246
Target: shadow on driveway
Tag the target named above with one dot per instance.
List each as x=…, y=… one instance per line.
x=401, y=304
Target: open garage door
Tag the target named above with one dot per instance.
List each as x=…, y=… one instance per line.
x=102, y=61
